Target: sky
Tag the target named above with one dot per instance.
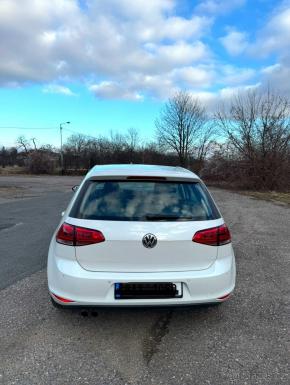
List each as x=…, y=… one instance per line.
x=108, y=65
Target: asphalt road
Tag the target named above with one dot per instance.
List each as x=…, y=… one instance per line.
x=243, y=341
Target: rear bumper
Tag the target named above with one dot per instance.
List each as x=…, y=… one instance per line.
x=67, y=279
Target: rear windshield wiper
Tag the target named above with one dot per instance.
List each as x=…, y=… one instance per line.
x=164, y=217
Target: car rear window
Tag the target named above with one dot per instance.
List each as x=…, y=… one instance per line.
x=119, y=200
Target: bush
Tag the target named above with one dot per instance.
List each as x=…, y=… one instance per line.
x=40, y=162
x=240, y=174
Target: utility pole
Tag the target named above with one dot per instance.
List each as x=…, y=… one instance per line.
x=61, y=151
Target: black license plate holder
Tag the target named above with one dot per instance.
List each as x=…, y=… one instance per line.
x=146, y=290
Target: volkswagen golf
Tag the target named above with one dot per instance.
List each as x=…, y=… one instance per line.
x=137, y=235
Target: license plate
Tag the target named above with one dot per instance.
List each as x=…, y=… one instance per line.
x=147, y=290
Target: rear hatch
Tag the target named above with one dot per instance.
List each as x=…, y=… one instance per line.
x=125, y=212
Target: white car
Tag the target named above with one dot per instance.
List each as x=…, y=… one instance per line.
x=137, y=235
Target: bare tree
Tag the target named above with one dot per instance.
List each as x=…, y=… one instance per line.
x=132, y=144
x=77, y=143
x=180, y=123
x=203, y=144
x=34, y=143
x=258, y=126
x=22, y=142
x=132, y=138
x=117, y=141
x=75, y=147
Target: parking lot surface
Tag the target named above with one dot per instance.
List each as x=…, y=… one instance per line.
x=243, y=341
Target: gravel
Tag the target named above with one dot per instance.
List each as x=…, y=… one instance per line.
x=243, y=341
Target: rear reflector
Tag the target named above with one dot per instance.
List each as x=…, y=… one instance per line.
x=61, y=299
x=224, y=297
x=78, y=236
x=215, y=236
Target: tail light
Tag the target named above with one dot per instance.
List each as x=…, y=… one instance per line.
x=87, y=236
x=78, y=236
x=216, y=236
x=66, y=234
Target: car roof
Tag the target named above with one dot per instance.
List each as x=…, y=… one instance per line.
x=121, y=170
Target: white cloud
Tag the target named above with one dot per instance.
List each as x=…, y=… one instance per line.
x=56, y=41
x=229, y=92
x=172, y=28
x=234, y=42
x=182, y=53
x=181, y=28
x=275, y=36
x=273, y=40
x=277, y=76
x=208, y=99
x=113, y=90
x=271, y=69
x=130, y=49
x=231, y=75
x=157, y=85
x=58, y=89
x=134, y=9
x=217, y=7
x=212, y=100
x=195, y=77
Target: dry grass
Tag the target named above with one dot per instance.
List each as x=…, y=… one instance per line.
x=273, y=196
x=12, y=170
x=16, y=170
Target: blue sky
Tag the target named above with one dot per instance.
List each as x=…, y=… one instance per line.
x=110, y=64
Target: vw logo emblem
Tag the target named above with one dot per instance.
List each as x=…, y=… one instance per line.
x=149, y=241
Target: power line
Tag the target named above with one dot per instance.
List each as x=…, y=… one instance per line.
x=47, y=128
x=28, y=128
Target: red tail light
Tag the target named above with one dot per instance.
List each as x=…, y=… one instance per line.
x=216, y=236
x=66, y=234
x=224, y=235
x=78, y=236
x=87, y=236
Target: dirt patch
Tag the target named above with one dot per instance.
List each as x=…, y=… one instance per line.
x=159, y=329
x=282, y=198
x=272, y=196
x=25, y=186
x=12, y=192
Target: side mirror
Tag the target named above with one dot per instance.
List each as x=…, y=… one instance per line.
x=74, y=188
